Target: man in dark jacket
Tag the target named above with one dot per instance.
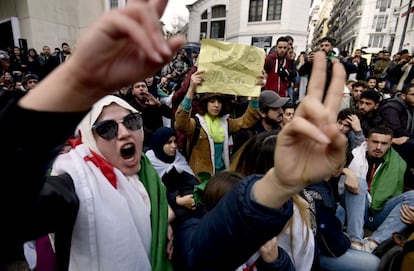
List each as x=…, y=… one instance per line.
x=361, y=65
x=367, y=108
x=48, y=63
x=398, y=115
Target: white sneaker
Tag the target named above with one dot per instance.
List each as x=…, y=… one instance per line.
x=369, y=245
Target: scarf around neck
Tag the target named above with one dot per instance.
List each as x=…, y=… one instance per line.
x=214, y=128
x=162, y=167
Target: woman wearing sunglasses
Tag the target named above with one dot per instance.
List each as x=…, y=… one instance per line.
x=122, y=220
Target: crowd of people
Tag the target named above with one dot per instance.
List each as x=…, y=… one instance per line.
x=127, y=167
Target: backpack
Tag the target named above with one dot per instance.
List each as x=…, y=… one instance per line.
x=187, y=152
x=396, y=253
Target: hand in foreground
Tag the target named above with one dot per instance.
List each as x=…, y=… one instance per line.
x=311, y=147
x=122, y=46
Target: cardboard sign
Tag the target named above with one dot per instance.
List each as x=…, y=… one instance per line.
x=230, y=68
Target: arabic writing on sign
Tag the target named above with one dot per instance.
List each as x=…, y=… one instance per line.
x=230, y=68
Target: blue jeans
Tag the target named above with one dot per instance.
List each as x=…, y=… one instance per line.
x=384, y=222
x=290, y=93
x=351, y=260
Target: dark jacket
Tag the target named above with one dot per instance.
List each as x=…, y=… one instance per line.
x=31, y=142
x=369, y=122
x=240, y=137
x=49, y=64
x=398, y=117
x=330, y=239
x=239, y=231
x=361, y=68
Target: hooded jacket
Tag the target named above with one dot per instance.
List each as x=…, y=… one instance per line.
x=398, y=116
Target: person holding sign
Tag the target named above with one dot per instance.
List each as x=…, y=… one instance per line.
x=210, y=154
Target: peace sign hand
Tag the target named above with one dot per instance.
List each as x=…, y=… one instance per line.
x=311, y=147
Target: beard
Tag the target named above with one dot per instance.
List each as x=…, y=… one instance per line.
x=272, y=122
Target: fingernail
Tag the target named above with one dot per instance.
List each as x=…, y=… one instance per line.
x=324, y=139
x=156, y=57
x=166, y=49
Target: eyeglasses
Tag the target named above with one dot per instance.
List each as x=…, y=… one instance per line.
x=108, y=129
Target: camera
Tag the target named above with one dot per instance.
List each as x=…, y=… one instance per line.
x=283, y=73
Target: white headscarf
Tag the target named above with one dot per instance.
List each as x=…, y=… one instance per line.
x=112, y=230
x=85, y=126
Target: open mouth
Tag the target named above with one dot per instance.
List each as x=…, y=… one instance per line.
x=128, y=151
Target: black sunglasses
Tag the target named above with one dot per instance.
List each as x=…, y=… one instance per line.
x=108, y=129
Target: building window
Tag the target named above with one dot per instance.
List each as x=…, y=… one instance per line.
x=274, y=10
x=203, y=30
x=380, y=22
x=255, y=10
x=203, y=25
x=204, y=15
x=218, y=22
x=112, y=4
x=412, y=22
x=382, y=5
x=376, y=41
x=217, y=29
x=218, y=11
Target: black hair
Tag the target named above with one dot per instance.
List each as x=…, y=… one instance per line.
x=282, y=39
x=34, y=50
x=381, y=130
x=289, y=104
x=328, y=39
x=359, y=83
x=346, y=112
x=371, y=95
x=206, y=97
x=288, y=37
x=407, y=88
